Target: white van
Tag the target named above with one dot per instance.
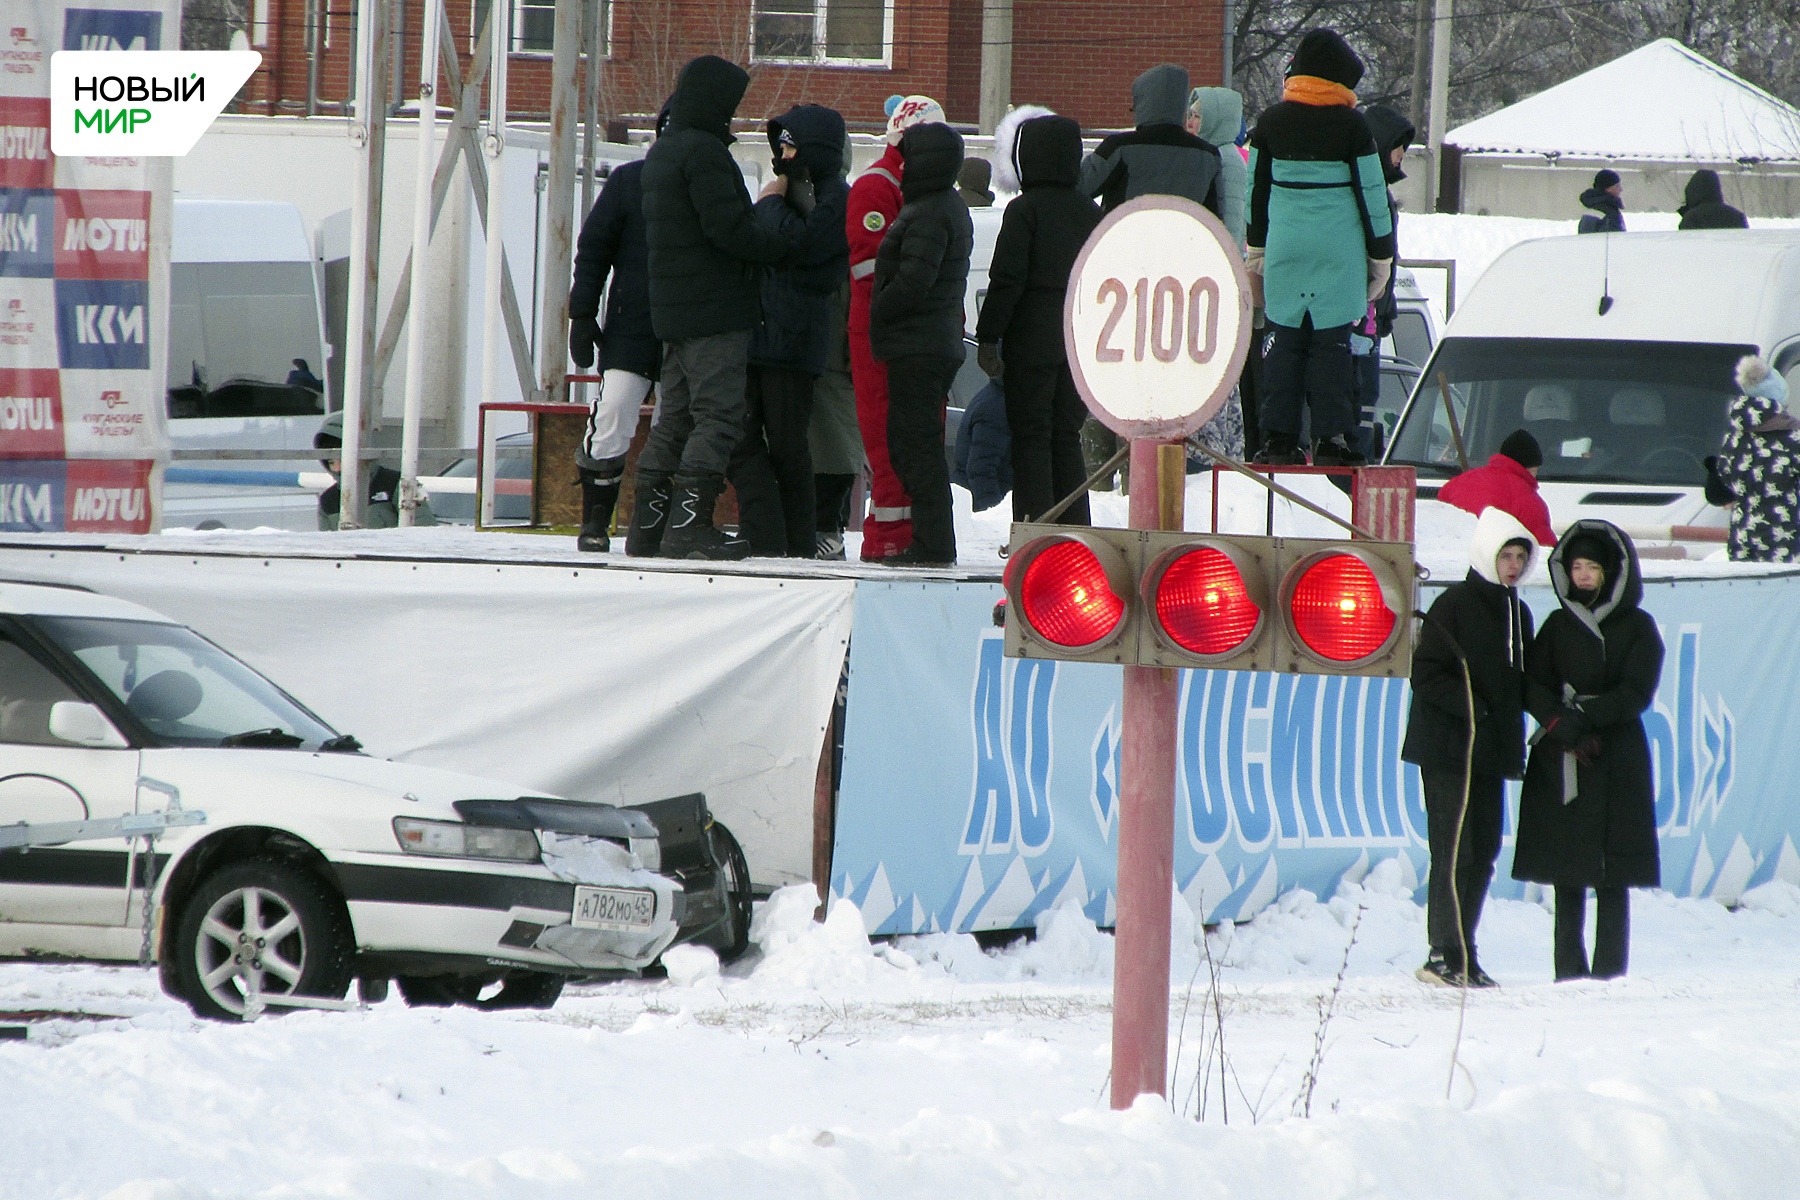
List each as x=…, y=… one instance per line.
x=1618, y=353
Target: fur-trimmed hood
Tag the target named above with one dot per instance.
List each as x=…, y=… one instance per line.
x=1006, y=144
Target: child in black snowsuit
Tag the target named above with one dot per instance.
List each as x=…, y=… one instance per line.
x=1020, y=331
x=1479, y=624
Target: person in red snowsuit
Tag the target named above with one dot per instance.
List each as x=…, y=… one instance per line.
x=874, y=201
x=1508, y=483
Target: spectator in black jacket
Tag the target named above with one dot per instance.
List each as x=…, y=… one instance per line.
x=916, y=327
x=1704, y=206
x=1159, y=156
x=705, y=247
x=1482, y=624
x=628, y=355
x=1605, y=204
x=772, y=467
x=1020, y=331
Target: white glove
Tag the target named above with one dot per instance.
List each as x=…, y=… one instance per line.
x=1379, y=271
x=1253, y=260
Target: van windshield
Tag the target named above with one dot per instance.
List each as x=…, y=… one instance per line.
x=1603, y=411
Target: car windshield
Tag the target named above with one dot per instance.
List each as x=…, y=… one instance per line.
x=185, y=690
x=1602, y=411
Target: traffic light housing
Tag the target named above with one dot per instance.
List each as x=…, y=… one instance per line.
x=1211, y=601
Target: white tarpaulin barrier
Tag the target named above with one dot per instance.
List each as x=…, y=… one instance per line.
x=613, y=685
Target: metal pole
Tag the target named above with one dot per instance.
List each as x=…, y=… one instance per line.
x=416, y=326
x=495, y=147
x=368, y=134
x=1440, y=95
x=1146, y=877
x=996, y=61
x=559, y=217
x=314, y=36
x=1229, y=41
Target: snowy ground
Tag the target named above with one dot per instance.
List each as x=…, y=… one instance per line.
x=827, y=1067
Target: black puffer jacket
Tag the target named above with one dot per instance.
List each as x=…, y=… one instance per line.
x=1611, y=655
x=1491, y=626
x=1704, y=207
x=1041, y=233
x=1606, y=213
x=923, y=264
x=797, y=296
x=1158, y=157
x=613, y=243
x=705, y=242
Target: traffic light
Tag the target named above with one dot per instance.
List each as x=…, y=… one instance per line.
x=1219, y=601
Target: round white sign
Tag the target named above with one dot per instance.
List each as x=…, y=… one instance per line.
x=1156, y=320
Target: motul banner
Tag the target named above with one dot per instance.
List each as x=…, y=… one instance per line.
x=84, y=264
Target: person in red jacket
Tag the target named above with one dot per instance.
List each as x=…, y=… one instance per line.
x=874, y=202
x=1508, y=483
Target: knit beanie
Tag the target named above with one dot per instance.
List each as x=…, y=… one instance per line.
x=1325, y=54
x=1523, y=449
x=1605, y=177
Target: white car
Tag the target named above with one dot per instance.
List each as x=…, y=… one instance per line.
x=316, y=864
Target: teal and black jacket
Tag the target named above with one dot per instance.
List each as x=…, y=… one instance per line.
x=1319, y=209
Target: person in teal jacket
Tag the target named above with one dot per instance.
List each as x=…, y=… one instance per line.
x=1320, y=238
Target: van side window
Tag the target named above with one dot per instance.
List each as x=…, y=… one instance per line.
x=27, y=690
x=1787, y=364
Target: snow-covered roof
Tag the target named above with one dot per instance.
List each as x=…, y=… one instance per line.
x=1661, y=101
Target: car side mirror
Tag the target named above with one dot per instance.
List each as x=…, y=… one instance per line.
x=84, y=725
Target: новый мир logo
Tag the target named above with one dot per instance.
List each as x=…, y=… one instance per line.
x=148, y=103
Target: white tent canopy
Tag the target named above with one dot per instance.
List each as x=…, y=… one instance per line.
x=1661, y=101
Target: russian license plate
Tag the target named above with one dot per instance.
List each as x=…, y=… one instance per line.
x=624, y=909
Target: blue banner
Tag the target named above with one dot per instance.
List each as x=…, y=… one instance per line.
x=978, y=791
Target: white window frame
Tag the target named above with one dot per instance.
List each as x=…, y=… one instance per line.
x=517, y=23
x=820, y=59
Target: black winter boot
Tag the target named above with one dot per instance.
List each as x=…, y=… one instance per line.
x=691, y=532
x=599, y=495
x=650, y=513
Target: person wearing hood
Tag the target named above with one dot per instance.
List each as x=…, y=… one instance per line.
x=1704, y=204
x=875, y=200
x=612, y=246
x=1216, y=116
x=1159, y=157
x=1605, y=203
x=772, y=467
x=1587, y=814
x=1466, y=733
x=974, y=182
x=916, y=328
x=1320, y=241
x=1758, y=468
x=1393, y=134
x=1020, y=332
x=706, y=244
x=1508, y=482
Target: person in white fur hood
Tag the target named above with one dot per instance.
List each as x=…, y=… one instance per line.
x=1037, y=154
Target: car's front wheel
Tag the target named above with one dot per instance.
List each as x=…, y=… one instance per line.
x=260, y=925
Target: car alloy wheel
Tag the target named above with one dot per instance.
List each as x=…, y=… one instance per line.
x=262, y=926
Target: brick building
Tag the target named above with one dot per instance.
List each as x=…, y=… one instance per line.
x=1079, y=58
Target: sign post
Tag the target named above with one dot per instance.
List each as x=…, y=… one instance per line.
x=1156, y=323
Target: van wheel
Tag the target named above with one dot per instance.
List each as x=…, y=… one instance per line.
x=261, y=924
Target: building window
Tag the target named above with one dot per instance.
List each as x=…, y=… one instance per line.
x=822, y=31
x=534, y=25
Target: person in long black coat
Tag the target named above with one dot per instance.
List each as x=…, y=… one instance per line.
x=772, y=467
x=1480, y=623
x=1587, y=818
x=1020, y=331
x=1703, y=204
x=625, y=349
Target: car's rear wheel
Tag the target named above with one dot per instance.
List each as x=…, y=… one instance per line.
x=738, y=900
x=265, y=926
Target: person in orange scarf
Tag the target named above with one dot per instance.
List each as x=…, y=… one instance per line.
x=1320, y=240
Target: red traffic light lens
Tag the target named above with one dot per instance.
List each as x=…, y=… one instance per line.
x=1338, y=609
x=1203, y=604
x=1065, y=597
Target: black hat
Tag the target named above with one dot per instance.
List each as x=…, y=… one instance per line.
x=1522, y=448
x=1605, y=177
x=1325, y=54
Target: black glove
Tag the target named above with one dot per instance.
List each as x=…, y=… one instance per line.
x=800, y=192
x=584, y=335
x=1587, y=750
x=1718, y=492
x=1568, y=727
x=987, y=357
